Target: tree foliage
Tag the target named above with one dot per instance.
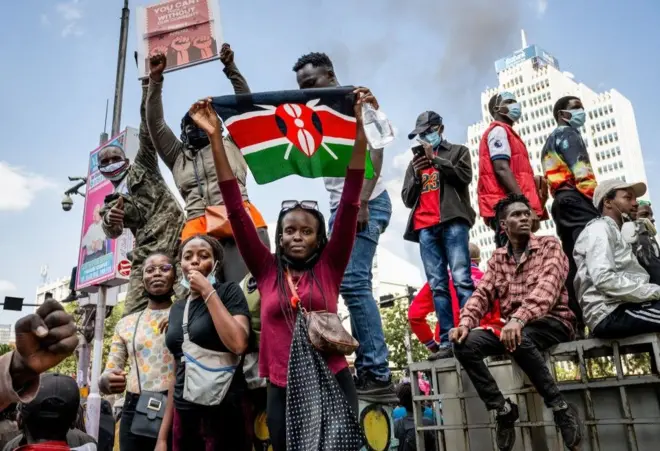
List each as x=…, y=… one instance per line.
x=395, y=327
x=5, y=348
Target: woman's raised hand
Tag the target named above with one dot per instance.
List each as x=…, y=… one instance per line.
x=203, y=114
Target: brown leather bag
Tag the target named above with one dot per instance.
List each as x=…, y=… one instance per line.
x=326, y=332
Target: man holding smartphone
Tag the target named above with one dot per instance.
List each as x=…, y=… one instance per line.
x=435, y=188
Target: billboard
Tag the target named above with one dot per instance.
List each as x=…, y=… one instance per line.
x=187, y=32
x=533, y=51
x=102, y=260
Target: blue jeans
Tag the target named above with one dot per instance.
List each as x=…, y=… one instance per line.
x=357, y=291
x=440, y=246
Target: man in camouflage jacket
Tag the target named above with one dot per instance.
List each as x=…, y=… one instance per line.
x=143, y=203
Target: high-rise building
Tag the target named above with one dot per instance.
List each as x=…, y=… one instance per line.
x=7, y=334
x=610, y=132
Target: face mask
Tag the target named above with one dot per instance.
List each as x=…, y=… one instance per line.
x=578, y=117
x=114, y=171
x=515, y=111
x=433, y=138
x=625, y=217
x=211, y=278
x=194, y=137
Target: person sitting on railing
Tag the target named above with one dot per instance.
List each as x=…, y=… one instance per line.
x=528, y=277
x=613, y=288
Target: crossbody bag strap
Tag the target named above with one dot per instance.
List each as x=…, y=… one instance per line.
x=137, y=365
x=186, y=336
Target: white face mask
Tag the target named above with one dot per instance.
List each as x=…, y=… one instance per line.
x=185, y=283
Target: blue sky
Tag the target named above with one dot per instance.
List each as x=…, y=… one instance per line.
x=59, y=69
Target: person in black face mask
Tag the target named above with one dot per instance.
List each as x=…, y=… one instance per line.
x=191, y=162
x=141, y=202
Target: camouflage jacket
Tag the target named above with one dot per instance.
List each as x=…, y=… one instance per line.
x=151, y=211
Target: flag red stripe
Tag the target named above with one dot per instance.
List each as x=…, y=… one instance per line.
x=259, y=129
x=254, y=130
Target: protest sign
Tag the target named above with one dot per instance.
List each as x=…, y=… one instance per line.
x=100, y=258
x=187, y=32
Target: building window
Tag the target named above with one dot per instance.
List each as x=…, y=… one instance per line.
x=600, y=170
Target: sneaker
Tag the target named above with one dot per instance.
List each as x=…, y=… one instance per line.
x=367, y=385
x=445, y=352
x=569, y=424
x=505, y=430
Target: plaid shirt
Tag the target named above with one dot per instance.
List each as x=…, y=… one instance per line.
x=528, y=290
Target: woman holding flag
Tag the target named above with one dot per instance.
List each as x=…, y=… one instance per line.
x=307, y=266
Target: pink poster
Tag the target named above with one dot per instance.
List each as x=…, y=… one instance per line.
x=186, y=32
x=99, y=256
x=175, y=15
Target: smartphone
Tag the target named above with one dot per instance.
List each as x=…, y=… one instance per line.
x=418, y=150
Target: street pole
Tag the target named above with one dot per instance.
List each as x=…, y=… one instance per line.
x=94, y=399
x=121, y=68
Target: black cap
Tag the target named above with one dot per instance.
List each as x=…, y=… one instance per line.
x=425, y=121
x=58, y=397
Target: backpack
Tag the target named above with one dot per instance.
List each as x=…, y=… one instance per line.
x=249, y=286
x=405, y=432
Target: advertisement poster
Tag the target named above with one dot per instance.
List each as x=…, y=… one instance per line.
x=100, y=259
x=187, y=32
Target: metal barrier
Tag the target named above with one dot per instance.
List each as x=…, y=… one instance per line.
x=619, y=402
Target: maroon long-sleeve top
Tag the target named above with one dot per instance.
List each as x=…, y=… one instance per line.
x=276, y=333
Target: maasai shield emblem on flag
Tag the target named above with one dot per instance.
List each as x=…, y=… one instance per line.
x=305, y=132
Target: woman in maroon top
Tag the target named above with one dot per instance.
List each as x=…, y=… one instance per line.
x=315, y=263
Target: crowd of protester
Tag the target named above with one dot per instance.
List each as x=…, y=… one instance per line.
x=179, y=353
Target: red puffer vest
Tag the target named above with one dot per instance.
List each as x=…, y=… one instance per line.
x=489, y=190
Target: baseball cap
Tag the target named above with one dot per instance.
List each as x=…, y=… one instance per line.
x=607, y=186
x=425, y=121
x=58, y=397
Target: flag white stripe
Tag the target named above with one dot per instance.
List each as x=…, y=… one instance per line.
x=264, y=145
x=329, y=150
x=281, y=141
x=642, y=318
x=327, y=109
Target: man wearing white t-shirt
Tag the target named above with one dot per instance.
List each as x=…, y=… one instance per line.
x=315, y=70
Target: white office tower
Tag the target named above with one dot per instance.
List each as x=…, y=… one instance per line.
x=610, y=132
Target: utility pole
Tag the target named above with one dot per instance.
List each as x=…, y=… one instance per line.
x=94, y=399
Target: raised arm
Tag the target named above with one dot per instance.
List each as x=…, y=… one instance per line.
x=167, y=144
x=238, y=81
x=255, y=254
x=146, y=156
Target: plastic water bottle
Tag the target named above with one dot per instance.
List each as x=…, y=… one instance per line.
x=377, y=127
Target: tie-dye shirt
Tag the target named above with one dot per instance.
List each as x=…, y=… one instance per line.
x=155, y=360
x=566, y=162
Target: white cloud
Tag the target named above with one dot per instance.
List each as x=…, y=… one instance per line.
x=541, y=6
x=6, y=286
x=18, y=188
x=71, y=13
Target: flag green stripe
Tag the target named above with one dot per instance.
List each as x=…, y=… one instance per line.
x=269, y=164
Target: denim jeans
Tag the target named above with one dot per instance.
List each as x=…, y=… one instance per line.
x=357, y=291
x=443, y=245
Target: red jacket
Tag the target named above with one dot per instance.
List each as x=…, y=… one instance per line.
x=489, y=190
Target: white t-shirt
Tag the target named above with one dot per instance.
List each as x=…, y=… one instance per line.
x=498, y=144
x=335, y=185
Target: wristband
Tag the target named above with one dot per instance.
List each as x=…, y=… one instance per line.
x=518, y=320
x=208, y=296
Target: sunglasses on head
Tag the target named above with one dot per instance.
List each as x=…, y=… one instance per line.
x=304, y=204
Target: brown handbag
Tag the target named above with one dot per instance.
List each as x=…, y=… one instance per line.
x=326, y=332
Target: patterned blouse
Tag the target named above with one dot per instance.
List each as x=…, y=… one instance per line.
x=156, y=362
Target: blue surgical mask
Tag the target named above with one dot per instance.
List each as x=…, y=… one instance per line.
x=433, y=138
x=578, y=117
x=211, y=278
x=515, y=111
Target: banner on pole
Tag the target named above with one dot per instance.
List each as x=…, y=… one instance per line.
x=187, y=32
x=100, y=259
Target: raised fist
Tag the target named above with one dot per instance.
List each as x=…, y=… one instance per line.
x=157, y=64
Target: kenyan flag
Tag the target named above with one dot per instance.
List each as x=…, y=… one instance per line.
x=307, y=132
